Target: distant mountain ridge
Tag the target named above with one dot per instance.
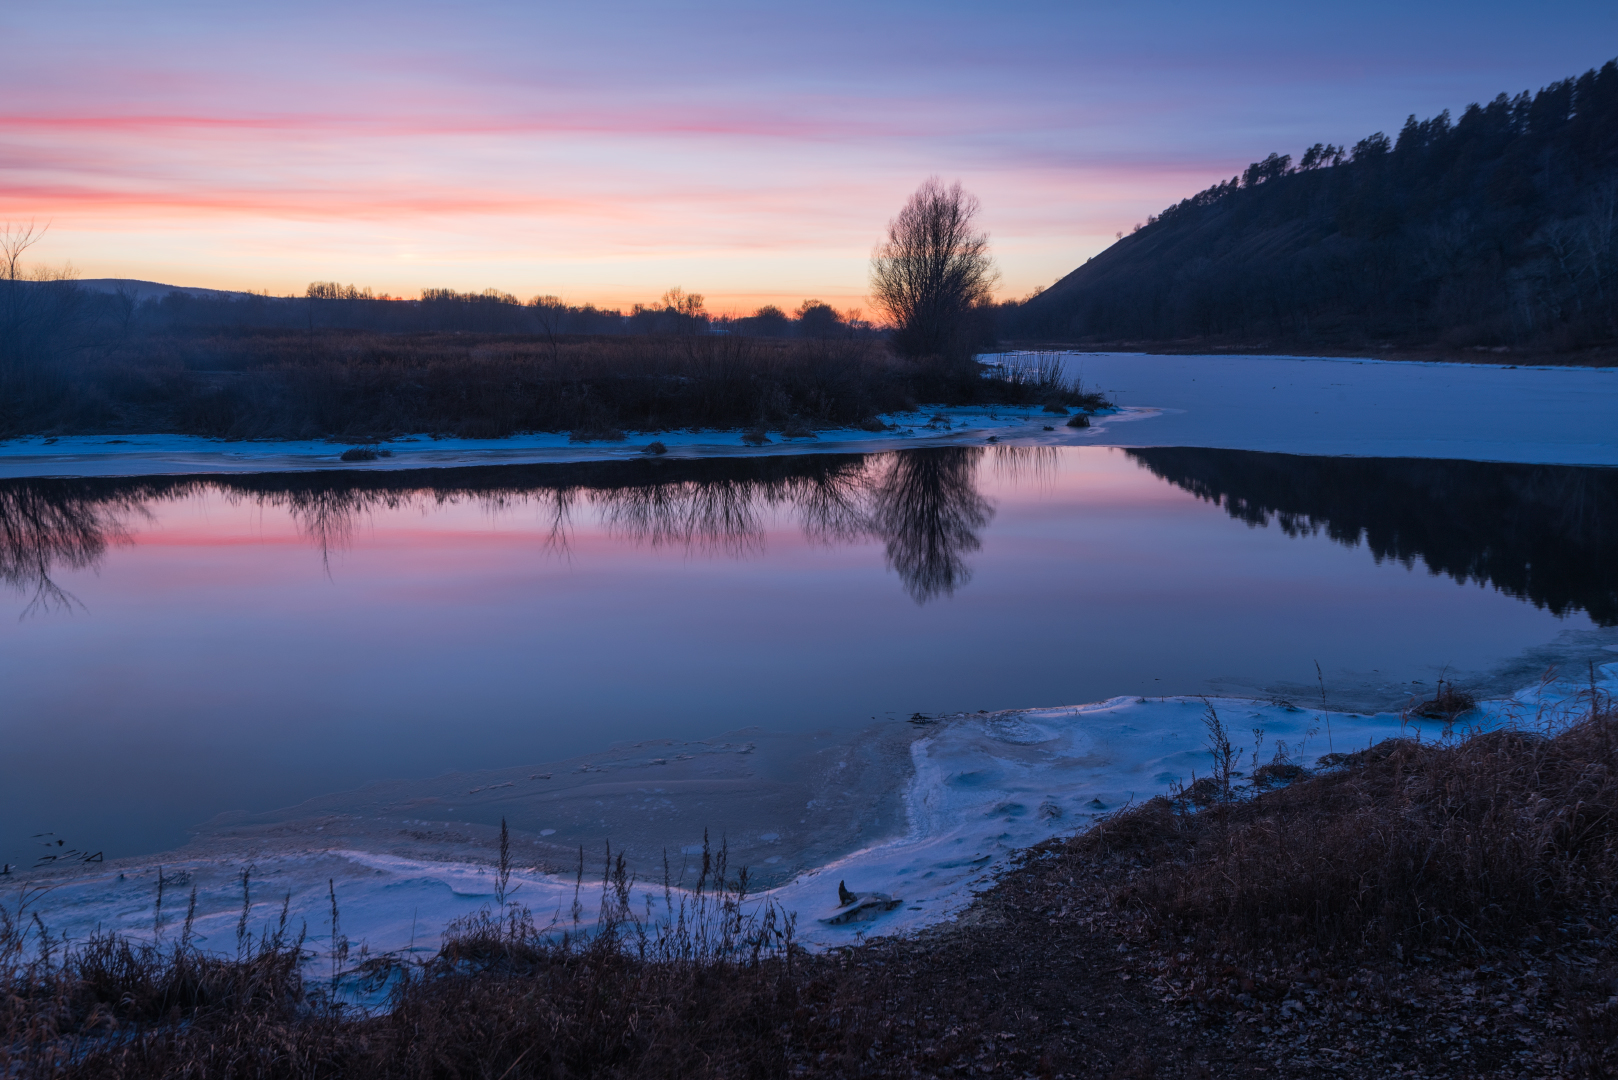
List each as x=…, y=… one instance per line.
x=143, y=291
x=1500, y=228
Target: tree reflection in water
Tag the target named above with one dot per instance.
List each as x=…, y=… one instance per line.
x=43, y=527
x=928, y=513
x=923, y=506
x=1544, y=533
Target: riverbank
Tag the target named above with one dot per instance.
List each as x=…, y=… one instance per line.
x=1278, y=404
x=931, y=812
x=363, y=387
x=182, y=455
x=1180, y=937
x=1597, y=356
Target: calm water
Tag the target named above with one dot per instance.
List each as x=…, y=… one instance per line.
x=175, y=648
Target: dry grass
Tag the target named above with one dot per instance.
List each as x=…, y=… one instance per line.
x=1474, y=882
x=1437, y=910
x=359, y=386
x=708, y=987
x=1448, y=704
x=1405, y=847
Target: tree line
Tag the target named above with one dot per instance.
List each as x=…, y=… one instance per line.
x=333, y=305
x=344, y=361
x=1497, y=229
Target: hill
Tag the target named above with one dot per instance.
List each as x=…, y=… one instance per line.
x=1497, y=230
x=145, y=291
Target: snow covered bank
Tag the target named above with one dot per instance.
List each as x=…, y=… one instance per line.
x=171, y=455
x=1295, y=405
x=980, y=788
x=1363, y=408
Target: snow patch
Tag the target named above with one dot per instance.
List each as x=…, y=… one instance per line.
x=983, y=787
x=1281, y=404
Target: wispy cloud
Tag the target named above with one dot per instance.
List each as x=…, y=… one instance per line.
x=744, y=150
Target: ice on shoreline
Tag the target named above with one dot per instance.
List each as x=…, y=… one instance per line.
x=1280, y=404
x=174, y=455
x=978, y=789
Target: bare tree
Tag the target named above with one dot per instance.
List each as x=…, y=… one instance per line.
x=125, y=301
x=550, y=312
x=690, y=317
x=14, y=240
x=37, y=306
x=932, y=271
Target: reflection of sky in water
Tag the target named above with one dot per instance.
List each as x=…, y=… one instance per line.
x=215, y=659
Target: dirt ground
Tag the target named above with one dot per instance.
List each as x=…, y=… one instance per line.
x=1045, y=978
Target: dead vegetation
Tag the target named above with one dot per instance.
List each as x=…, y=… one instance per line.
x=1473, y=881
x=360, y=387
x=1448, y=704
x=1413, y=909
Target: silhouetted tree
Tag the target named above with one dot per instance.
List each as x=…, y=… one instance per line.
x=818, y=320
x=933, y=272
x=767, y=321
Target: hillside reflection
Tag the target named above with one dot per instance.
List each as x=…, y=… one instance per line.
x=922, y=505
x=1546, y=534
x=1543, y=533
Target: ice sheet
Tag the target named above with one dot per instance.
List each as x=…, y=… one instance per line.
x=1285, y=404
x=164, y=455
x=1363, y=408
x=978, y=789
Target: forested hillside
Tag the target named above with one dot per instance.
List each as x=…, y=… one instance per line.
x=1496, y=229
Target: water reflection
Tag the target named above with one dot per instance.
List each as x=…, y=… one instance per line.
x=1543, y=533
x=923, y=506
x=45, y=525
x=928, y=512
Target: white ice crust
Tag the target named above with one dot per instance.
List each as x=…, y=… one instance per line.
x=1285, y=404
x=984, y=787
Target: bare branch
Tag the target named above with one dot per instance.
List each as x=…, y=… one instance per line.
x=933, y=270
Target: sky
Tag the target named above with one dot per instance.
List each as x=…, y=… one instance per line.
x=749, y=152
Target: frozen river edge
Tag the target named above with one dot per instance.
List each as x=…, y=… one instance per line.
x=1279, y=404
x=976, y=790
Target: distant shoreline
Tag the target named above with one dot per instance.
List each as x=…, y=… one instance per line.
x=1604, y=356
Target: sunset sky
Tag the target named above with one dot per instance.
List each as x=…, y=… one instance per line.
x=751, y=152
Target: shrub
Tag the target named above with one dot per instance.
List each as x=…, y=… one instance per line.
x=1449, y=703
x=1480, y=844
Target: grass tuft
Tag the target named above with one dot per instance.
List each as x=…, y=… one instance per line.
x=1449, y=703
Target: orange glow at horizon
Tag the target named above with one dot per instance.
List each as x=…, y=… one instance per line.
x=746, y=154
